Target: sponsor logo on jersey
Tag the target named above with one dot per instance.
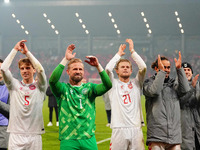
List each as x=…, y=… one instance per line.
x=32, y=87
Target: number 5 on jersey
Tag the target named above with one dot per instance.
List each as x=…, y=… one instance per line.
x=127, y=99
x=26, y=101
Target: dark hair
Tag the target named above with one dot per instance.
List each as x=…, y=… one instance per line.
x=155, y=63
x=1, y=61
x=187, y=65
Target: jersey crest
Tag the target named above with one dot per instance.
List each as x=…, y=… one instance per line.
x=130, y=86
x=32, y=87
x=85, y=91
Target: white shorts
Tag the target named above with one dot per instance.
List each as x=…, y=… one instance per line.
x=24, y=142
x=127, y=139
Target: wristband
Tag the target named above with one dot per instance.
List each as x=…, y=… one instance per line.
x=132, y=50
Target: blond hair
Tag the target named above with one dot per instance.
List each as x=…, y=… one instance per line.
x=122, y=60
x=25, y=61
x=74, y=60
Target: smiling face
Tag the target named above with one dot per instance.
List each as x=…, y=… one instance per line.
x=27, y=72
x=166, y=63
x=167, y=67
x=188, y=73
x=75, y=72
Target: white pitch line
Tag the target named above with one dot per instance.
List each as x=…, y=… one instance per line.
x=103, y=140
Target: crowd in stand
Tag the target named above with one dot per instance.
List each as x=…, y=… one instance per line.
x=49, y=61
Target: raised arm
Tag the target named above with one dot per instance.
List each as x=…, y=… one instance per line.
x=6, y=64
x=111, y=64
x=42, y=81
x=139, y=61
x=106, y=84
x=153, y=87
x=54, y=83
x=183, y=85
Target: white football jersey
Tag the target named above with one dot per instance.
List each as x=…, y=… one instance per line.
x=26, y=100
x=125, y=98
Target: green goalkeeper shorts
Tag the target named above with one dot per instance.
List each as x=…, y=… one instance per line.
x=85, y=144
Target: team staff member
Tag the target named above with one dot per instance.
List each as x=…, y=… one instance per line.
x=162, y=105
x=4, y=112
x=190, y=115
x=26, y=100
x=52, y=104
x=125, y=99
x=76, y=101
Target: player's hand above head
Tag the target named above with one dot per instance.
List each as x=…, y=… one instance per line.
x=21, y=46
x=122, y=47
x=160, y=64
x=131, y=45
x=69, y=51
x=179, y=61
x=93, y=61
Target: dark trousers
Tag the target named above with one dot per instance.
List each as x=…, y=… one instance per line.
x=51, y=113
x=197, y=145
x=108, y=112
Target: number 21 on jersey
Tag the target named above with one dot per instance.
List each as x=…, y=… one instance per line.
x=126, y=99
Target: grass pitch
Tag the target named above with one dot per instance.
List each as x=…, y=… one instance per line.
x=103, y=133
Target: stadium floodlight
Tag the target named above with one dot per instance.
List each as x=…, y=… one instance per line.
x=118, y=31
x=149, y=31
x=180, y=25
x=115, y=25
x=13, y=15
x=45, y=15
x=18, y=21
x=145, y=19
x=178, y=19
x=80, y=20
x=182, y=31
x=56, y=31
x=176, y=13
x=48, y=20
x=86, y=31
x=142, y=14
x=77, y=15
x=113, y=20
x=109, y=14
x=22, y=26
x=6, y=1
x=26, y=32
x=147, y=25
x=83, y=26
x=52, y=26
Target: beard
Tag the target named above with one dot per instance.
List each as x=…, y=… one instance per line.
x=76, y=78
x=125, y=76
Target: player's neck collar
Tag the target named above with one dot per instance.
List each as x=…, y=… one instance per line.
x=24, y=84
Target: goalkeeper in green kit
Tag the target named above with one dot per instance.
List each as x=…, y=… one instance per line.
x=76, y=101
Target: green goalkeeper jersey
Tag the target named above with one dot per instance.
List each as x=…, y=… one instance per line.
x=76, y=105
